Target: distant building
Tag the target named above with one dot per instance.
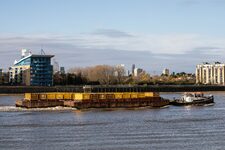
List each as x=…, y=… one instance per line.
x=128, y=73
x=32, y=69
x=1, y=76
x=210, y=73
x=62, y=70
x=133, y=67
x=55, y=66
x=121, y=66
x=120, y=70
x=137, y=71
x=5, y=78
x=166, y=72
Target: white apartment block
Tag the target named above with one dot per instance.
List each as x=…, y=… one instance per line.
x=137, y=71
x=210, y=73
x=166, y=72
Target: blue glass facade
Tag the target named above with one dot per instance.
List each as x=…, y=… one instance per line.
x=41, y=70
x=23, y=62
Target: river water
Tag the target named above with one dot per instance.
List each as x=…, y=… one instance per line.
x=169, y=128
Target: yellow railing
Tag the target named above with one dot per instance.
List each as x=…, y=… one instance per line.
x=88, y=96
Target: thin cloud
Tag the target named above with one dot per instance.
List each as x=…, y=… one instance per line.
x=152, y=52
x=111, y=33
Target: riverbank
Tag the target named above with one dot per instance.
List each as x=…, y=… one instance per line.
x=116, y=88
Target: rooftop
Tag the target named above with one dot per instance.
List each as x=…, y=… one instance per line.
x=32, y=55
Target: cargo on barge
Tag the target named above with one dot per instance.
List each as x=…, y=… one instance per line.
x=92, y=100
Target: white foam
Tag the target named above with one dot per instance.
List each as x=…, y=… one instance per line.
x=211, y=104
x=14, y=109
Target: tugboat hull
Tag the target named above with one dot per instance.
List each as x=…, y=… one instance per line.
x=198, y=102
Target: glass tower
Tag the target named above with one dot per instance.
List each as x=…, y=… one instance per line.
x=35, y=70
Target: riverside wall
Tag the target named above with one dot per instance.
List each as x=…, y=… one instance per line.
x=124, y=88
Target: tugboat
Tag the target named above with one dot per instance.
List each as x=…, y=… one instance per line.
x=193, y=99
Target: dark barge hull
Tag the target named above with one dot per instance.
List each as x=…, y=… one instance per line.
x=103, y=103
x=39, y=103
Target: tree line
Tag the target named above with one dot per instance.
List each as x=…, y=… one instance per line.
x=100, y=74
x=114, y=75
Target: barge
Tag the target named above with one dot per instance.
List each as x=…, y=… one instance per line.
x=92, y=100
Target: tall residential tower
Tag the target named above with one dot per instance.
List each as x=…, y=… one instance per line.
x=210, y=73
x=32, y=69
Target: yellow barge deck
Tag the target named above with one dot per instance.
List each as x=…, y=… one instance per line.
x=92, y=100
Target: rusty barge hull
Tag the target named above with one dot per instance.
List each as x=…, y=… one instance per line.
x=39, y=103
x=92, y=100
x=113, y=103
x=117, y=103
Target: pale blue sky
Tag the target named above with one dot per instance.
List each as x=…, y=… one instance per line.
x=162, y=28
x=146, y=16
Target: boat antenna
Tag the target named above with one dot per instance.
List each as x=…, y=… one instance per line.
x=42, y=52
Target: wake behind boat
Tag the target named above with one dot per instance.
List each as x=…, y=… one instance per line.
x=193, y=99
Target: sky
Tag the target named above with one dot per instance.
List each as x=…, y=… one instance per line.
x=153, y=34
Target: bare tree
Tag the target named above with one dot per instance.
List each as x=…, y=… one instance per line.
x=119, y=74
x=142, y=78
x=104, y=74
